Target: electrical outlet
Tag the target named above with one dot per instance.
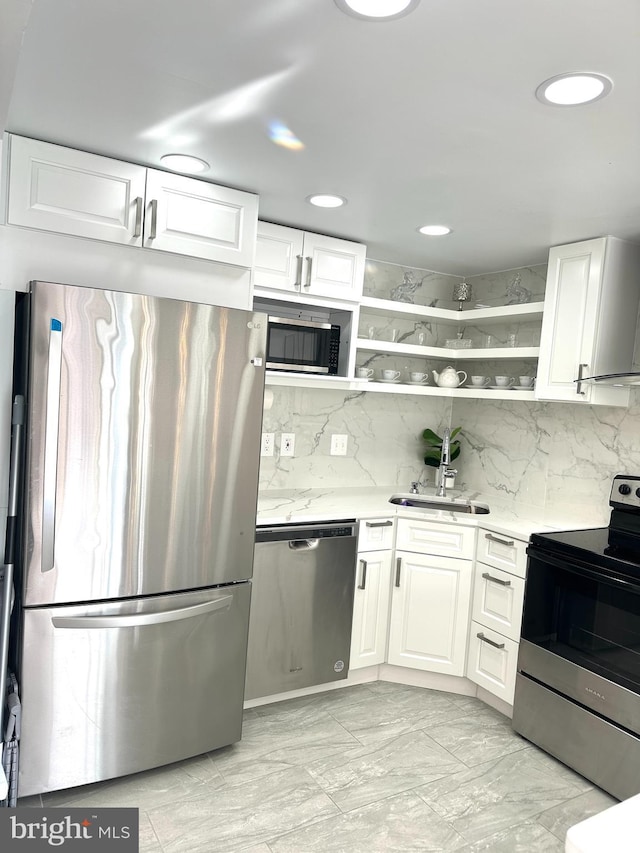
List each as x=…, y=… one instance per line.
x=339, y=445
x=266, y=446
x=287, y=444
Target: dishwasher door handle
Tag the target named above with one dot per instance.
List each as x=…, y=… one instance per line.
x=303, y=544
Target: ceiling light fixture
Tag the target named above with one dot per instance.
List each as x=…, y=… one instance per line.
x=573, y=88
x=325, y=200
x=184, y=163
x=377, y=10
x=435, y=230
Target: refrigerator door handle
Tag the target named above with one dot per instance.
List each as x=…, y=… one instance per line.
x=135, y=620
x=50, y=467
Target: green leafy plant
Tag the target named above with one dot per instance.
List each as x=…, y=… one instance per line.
x=433, y=446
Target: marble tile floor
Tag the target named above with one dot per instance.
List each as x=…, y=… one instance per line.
x=366, y=769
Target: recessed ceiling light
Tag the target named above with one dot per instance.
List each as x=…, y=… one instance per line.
x=435, y=230
x=324, y=200
x=572, y=88
x=377, y=10
x=184, y=163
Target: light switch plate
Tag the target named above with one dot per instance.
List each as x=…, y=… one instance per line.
x=339, y=445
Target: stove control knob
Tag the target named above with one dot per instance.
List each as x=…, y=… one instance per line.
x=624, y=489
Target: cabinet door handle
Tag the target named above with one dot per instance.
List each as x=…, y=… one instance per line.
x=581, y=368
x=508, y=542
x=137, y=231
x=484, y=639
x=398, y=569
x=363, y=577
x=309, y=263
x=298, y=282
x=154, y=219
x=489, y=577
x=378, y=523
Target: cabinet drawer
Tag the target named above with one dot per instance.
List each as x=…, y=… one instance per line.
x=492, y=661
x=503, y=552
x=497, y=600
x=443, y=540
x=376, y=534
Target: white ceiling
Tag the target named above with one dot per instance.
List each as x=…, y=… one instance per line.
x=430, y=118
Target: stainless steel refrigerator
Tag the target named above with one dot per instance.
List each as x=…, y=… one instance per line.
x=135, y=545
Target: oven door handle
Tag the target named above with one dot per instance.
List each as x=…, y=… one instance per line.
x=577, y=567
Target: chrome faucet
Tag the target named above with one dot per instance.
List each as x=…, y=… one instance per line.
x=444, y=470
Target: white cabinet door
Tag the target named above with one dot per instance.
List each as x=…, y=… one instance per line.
x=430, y=613
x=589, y=321
x=279, y=257
x=71, y=192
x=309, y=264
x=497, y=600
x=493, y=661
x=200, y=219
x=334, y=268
x=371, y=609
x=424, y=537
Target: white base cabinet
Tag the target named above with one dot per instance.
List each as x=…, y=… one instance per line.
x=498, y=596
x=371, y=609
x=430, y=597
x=589, y=321
x=305, y=263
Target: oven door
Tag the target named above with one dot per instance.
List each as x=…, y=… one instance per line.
x=581, y=635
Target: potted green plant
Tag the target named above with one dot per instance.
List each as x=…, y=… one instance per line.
x=433, y=447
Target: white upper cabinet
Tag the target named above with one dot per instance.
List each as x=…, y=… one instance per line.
x=71, y=192
x=59, y=189
x=309, y=264
x=589, y=321
x=200, y=219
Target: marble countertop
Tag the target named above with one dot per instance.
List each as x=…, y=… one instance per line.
x=290, y=506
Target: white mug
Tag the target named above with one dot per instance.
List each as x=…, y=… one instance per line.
x=390, y=374
x=480, y=381
x=526, y=381
x=417, y=377
x=505, y=381
x=364, y=372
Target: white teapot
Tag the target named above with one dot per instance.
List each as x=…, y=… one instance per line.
x=449, y=378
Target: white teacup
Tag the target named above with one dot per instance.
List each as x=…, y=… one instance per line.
x=415, y=376
x=364, y=373
x=480, y=381
x=526, y=381
x=505, y=381
x=389, y=375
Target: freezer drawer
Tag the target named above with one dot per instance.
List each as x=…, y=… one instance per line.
x=117, y=688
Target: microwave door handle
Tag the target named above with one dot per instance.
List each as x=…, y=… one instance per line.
x=50, y=465
x=298, y=282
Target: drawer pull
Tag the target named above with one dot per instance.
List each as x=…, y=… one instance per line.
x=398, y=568
x=508, y=542
x=363, y=576
x=378, y=523
x=484, y=639
x=489, y=577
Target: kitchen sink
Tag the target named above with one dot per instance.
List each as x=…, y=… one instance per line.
x=445, y=504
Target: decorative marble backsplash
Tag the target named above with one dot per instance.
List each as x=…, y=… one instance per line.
x=384, y=445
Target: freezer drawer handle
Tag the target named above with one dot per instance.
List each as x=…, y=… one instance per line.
x=50, y=466
x=303, y=544
x=135, y=620
x=489, y=577
x=484, y=639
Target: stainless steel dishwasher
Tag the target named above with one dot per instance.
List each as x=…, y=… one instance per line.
x=301, y=606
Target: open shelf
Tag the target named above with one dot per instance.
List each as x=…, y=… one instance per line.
x=500, y=314
x=478, y=354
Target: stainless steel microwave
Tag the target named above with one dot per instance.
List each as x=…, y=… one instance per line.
x=302, y=346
